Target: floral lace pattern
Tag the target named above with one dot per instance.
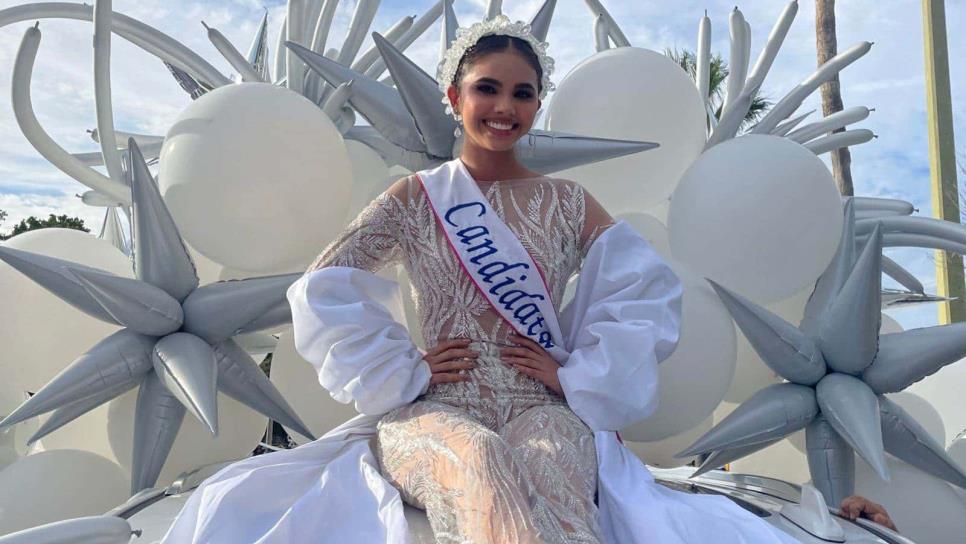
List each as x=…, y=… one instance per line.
x=528, y=476
x=557, y=222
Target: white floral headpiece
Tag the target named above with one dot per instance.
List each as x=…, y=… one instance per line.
x=501, y=26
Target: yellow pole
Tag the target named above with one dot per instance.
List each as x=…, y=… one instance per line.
x=942, y=156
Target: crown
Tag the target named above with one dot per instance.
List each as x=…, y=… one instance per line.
x=497, y=26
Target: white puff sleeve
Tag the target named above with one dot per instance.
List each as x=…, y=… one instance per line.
x=624, y=319
x=345, y=327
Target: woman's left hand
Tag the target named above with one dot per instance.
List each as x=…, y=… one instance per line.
x=534, y=361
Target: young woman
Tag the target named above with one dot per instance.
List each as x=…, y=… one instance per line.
x=504, y=430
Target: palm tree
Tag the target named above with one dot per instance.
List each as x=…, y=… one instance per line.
x=716, y=90
x=826, y=47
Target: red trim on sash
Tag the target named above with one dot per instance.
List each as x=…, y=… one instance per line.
x=456, y=254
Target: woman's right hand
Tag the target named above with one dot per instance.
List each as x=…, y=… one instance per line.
x=447, y=358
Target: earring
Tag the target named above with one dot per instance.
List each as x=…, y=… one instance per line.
x=459, y=123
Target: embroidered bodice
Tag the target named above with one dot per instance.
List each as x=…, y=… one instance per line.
x=555, y=219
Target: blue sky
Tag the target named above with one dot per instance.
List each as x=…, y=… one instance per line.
x=146, y=98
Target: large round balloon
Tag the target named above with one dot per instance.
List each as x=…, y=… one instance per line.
x=370, y=176
x=923, y=412
x=8, y=454
x=758, y=214
x=957, y=451
x=56, y=485
x=662, y=453
x=298, y=382
x=206, y=269
x=651, y=228
x=240, y=429
x=751, y=373
x=88, y=432
x=631, y=94
x=696, y=376
x=256, y=177
x=889, y=325
x=944, y=389
x=926, y=510
x=659, y=210
x=781, y=460
x=10, y=398
x=42, y=334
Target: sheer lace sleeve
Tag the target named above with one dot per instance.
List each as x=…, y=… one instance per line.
x=372, y=240
x=596, y=221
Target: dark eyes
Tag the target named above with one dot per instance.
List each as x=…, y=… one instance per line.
x=524, y=94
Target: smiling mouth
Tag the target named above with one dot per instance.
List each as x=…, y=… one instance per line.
x=501, y=126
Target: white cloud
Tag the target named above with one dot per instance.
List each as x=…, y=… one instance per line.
x=19, y=207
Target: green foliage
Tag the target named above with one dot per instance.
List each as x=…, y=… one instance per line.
x=718, y=84
x=33, y=223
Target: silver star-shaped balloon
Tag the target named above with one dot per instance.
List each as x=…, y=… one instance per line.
x=176, y=343
x=838, y=369
x=410, y=128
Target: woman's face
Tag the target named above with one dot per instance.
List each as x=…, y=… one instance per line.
x=498, y=100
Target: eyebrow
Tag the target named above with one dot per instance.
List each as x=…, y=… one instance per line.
x=497, y=83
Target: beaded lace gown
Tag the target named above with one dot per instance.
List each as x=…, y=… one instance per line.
x=499, y=458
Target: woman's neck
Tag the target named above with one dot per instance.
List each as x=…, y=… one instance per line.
x=486, y=165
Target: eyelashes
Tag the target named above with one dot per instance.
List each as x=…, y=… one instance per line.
x=490, y=89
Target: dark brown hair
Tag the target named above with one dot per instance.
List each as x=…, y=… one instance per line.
x=495, y=43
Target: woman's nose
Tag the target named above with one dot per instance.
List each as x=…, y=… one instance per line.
x=504, y=104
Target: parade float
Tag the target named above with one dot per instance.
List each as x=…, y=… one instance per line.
x=177, y=302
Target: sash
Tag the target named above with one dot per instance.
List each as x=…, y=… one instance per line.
x=492, y=256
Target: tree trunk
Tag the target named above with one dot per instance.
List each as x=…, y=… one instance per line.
x=827, y=47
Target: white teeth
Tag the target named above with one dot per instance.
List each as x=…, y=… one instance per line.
x=499, y=126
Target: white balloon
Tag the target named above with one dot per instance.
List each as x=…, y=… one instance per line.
x=57, y=485
x=206, y=269
x=661, y=453
x=651, y=228
x=396, y=171
x=370, y=177
x=659, y=210
x=944, y=390
x=256, y=177
x=922, y=411
x=19, y=434
x=10, y=398
x=8, y=454
x=723, y=410
x=298, y=382
x=240, y=429
x=758, y=214
x=926, y=510
x=696, y=376
x=88, y=432
x=632, y=94
x=957, y=451
x=751, y=373
x=225, y=274
x=889, y=325
x=43, y=334
x=781, y=460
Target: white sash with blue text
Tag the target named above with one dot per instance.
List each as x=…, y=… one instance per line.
x=492, y=256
